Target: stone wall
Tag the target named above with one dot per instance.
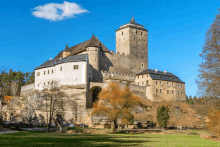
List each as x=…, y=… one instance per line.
x=27, y=89
x=121, y=63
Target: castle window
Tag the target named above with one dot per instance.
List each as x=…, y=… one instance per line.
x=61, y=68
x=38, y=74
x=147, y=76
x=146, y=82
x=44, y=72
x=138, y=77
x=142, y=83
x=178, y=92
x=160, y=90
x=172, y=84
x=178, y=85
x=156, y=90
x=181, y=87
x=167, y=83
x=136, y=32
x=167, y=91
x=122, y=33
x=89, y=79
x=142, y=76
x=52, y=71
x=76, y=67
x=48, y=72
x=172, y=91
x=160, y=83
x=141, y=33
x=156, y=82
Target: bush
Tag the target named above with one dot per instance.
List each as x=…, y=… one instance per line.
x=162, y=115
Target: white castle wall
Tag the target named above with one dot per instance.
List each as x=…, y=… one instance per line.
x=68, y=75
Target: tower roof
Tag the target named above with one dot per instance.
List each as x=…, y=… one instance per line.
x=132, y=24
x=67, y=49
x=93, y=42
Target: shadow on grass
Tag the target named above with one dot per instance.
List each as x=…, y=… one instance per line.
x=31, y=139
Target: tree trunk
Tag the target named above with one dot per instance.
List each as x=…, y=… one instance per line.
x=61, y=129
x=115, y=126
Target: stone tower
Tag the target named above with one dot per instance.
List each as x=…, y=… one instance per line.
x=93, y=49
x=132, y=38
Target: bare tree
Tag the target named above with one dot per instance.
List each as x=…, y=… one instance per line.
x=53, y=94
x=209, y=76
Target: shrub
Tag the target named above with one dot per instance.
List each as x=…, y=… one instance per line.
x=162, y=115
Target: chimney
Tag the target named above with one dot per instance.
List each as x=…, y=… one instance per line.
x=156, y=70
x=165, y=71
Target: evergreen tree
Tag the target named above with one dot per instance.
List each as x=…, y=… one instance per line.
x=162, y=115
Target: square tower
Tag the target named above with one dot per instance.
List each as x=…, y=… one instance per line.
x=132, y=38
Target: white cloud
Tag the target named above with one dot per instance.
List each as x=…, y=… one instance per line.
x=56, y=11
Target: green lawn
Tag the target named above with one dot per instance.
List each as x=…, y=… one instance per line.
x=60, y=139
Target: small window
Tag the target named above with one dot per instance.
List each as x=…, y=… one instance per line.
x=122, y=33
x=172, y=91
x=76, y=67
x=178, y=92
x=147, y=76
x=181, y=92
x=156, y=90
x=156, y=82
x=142, y=83
x=38, y=85
x=167, y=83
x=48, y=72
x=146, y=82
x=172, y=84
x=136, y=32
x=61, y=68
x=52, y=71
x=167, y=91
x=181, y=87
x=160, y=83
x=142, y=76
x=44, y=83
x=138, y=83
x=138, y=77
x=141, y=33
x=44, y=72
x=142, y=48
x=38, y=74
x=178, y=85
x=48, y=83
x=76, y=79
x=160, y=90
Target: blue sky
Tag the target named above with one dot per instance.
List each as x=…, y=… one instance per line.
x=176, y=31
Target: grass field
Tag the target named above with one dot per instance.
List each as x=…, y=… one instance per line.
x=35, y=139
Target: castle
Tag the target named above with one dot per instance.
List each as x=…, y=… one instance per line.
x=93, y=65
